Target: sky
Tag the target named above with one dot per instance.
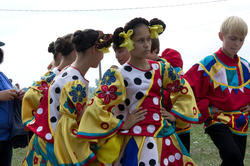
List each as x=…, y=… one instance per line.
x=192, y=28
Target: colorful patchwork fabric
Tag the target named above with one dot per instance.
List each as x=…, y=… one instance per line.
x=220, y=81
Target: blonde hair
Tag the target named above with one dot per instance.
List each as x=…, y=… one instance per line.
x=234, y=24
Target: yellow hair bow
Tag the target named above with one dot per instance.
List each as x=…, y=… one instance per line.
x=128, y=43
x=104, y=49
x=155, y=30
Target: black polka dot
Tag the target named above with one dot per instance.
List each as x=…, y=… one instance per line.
x=64, y=74
x=50, y=100
x=148, y=75
x=127, y=102
x=139, y=95
x=57, y=90
x=141, y=164
x=152, y=162
x=137, y=81
x=53, y=119
x=121, y=107
x=75, y=77
x=126, y=83
x=120, y=117
x=150, y=145
x=128, y=68
x=58, y=108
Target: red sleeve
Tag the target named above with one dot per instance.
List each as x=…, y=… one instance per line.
x=200, y=86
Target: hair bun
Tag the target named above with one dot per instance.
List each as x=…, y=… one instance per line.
x=83, y=40
x=51, y=48
x=156, y=21
x=117, y=40
x=104, y=41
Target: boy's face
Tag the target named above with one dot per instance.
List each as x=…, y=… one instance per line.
x=232, y=42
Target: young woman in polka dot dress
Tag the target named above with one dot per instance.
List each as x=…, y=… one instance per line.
x=57, y=117
x=62, y=47
x=137, y=85
x=173, y=57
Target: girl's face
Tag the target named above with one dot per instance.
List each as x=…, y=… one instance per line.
x=122, y=55
x=142, y=42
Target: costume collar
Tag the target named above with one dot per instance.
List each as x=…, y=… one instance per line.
x=226, y=59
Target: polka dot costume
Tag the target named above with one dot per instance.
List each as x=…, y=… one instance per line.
x=149, y=142
x=68, y=75
x=149, y=154
x=142, y=89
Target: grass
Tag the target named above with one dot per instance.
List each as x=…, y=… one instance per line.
x=203, y=151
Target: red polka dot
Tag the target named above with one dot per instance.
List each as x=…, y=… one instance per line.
x=184, y=90
x=189, y=164
x=74, y=131
x=194, y=110
x=105, y=125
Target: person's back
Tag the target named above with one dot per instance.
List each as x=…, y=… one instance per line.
x=221, y=85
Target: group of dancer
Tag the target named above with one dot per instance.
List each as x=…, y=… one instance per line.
x=141, y=111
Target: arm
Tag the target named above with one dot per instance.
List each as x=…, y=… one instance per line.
x=6, y=95
x=200, y=87
x=181, y=95
x=31, y=99
x=98, y=120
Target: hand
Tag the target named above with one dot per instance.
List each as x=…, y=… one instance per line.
x=20, y=94
x=133, y=118
x=167, y=115
x=245, y=108
x=216, y=110
x=6, y=95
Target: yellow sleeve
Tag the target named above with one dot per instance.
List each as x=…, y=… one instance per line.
x=73, y=98
x=98, y=120
x=32, y=97
x=181, y=95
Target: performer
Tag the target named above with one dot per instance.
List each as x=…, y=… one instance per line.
x=56, y=120
x=137, y=85
x=63, y=47
x=221, y=86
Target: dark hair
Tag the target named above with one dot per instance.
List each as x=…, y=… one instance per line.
x=138, y=21
x=64, y=45
x=155, y=44
x=51, y=49
x=135, y=23
x=156, y=21
x=1, y=55
x=117, y=40
x=83, y=40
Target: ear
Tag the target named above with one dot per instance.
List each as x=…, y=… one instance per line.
x=221, y=36
x=93, y=49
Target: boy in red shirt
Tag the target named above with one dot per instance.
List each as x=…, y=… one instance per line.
x=221, y=86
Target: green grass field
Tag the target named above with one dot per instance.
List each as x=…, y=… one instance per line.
x=203, y=150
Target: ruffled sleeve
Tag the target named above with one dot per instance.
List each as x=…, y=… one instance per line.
x=200, y=87
x=32, y=97
x=73, y=98
x=181, y=95
x=98, y=120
